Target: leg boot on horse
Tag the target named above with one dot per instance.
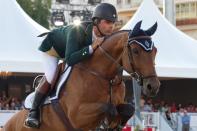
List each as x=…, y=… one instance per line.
x=125, y=111
x=33, y=119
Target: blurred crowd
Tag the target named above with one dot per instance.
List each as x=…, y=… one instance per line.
x=164, y=107
x=13, y=103
x=174, y=114
x=9, y=103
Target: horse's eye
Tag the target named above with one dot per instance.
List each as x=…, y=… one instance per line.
x=135, y=51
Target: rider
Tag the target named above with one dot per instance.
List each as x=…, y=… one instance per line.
x=72, y=44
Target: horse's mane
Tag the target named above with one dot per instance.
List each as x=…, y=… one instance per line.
x=114, y=33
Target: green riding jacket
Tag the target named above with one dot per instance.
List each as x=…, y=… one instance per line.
x=70, y=43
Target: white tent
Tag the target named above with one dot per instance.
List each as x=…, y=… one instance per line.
x=18, y=40
x=177, y=52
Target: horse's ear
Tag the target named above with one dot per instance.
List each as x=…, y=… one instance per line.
x=151, y=30
x=136, y=28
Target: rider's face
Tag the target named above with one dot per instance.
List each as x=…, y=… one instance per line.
x=106, y=26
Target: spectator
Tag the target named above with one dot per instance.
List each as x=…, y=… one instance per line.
x=12, y=106
x=185, y=121
x=179, y=107
x=189, y=107
x=156, y=107
x=147, y=107
x=164, y=108
x=1, y=106
x=142, y=102
x=173, y=107
x=4, y=97
x=7, y=107
x=195, y=108
x=169, y=118
x=161, y=106
x=1, y=99
x=18, y=105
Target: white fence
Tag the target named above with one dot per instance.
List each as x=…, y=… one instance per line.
x=5, y=115
x=149, y=120
x=157, y=120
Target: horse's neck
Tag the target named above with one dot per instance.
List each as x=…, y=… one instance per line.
x=114, y=47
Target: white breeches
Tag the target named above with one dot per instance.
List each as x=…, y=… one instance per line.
x=50, y=64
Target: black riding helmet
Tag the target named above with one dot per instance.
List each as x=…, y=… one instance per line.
x=105, y=11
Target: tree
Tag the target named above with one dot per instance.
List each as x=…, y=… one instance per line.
x=38, y=10
x=27, y=6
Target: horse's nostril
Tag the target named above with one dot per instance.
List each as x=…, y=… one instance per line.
x=149, y=87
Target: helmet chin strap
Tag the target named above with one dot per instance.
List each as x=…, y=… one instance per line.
x=101, y=33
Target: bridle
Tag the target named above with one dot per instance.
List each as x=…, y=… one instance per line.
x=139, y=77
x=135, y=74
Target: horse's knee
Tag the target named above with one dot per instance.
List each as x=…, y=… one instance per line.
x=125, y=111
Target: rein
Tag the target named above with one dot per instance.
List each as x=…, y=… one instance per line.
x=93, y=72
x=111, y=79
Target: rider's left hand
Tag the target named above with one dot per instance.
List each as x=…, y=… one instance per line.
x=97, y=43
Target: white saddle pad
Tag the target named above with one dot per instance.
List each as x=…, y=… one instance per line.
x=29, y=99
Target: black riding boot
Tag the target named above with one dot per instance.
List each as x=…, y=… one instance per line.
x=33, y=119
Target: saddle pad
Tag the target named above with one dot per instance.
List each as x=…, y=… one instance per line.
x=29, y=99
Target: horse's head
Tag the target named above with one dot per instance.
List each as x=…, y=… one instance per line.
x=140, y=61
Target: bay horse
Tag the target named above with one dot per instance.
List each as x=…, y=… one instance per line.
x=87, y=99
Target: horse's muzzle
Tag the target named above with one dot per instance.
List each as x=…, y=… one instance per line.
x=151, y=86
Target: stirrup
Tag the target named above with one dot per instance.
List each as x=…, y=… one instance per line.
x=32, y=122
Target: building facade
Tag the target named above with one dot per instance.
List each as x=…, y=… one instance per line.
x=186, y=13
x=74, y=9
x=186, y=16
x=127, y=8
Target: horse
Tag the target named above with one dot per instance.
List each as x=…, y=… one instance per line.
x=94, y=89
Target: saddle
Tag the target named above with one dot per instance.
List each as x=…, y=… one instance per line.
x=57, y=84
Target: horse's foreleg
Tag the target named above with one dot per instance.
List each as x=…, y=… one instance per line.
x=125, y=111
